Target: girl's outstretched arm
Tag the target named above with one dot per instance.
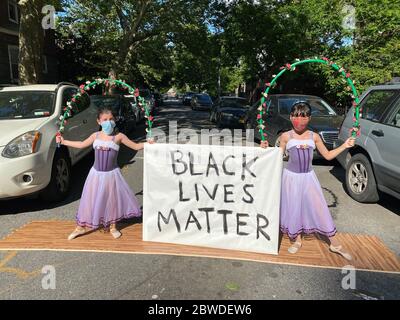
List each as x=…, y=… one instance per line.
x=283, y=141
x=130, y=144
x=77, y=144
x=332, y=154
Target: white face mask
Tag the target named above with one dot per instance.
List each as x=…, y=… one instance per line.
x=108, y=127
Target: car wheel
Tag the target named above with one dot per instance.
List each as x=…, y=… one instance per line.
x=60, y=180
x=360, y=179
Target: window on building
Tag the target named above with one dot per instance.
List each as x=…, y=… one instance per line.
x=13, y=11
x=13, y=58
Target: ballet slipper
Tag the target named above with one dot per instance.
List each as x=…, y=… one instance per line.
x=115, y=233
x=77, y=232
x=339, y=250
x=295, y=247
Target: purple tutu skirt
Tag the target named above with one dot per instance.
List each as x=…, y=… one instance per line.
x=106, y=199
x=303, y=207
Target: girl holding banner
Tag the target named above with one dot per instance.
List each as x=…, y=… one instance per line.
x=106, y=197
x=303, y=207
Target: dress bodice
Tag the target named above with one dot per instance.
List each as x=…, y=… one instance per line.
x=105, y=154
x=300, y=153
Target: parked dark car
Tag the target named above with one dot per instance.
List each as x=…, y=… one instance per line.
x=187, y=98
x=148, y=96
x=324, y=120
x=124, y=115
x=373, y=165
x=136, y=109
x=201, y=101
x=158, y=100
x=229, y=111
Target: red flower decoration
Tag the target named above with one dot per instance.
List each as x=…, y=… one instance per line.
x=354, y=104
x=258, y=116
x=348, y=75
x=288, y=66
x=325, y=59
x=151, y=118
x=268, y=84
x=82, y=86
x=136, y=92
x=73, y=100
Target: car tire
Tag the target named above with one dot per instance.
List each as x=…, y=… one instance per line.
x=60, y=181
x=360, y=179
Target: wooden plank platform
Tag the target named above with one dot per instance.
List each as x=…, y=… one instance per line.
x=369, y=252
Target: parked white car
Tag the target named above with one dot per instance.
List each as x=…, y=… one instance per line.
x=30, y=161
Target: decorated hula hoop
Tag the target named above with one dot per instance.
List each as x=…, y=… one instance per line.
x=354, y=132
x=73, y=104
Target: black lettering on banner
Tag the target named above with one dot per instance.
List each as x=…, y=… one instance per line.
x=212, y=197
x=194, y=220
x=246, y=166
x=181, y=198
x=176, y=161
x=251, y=200
x=226, y=193
x=196, y=189
x=261, y=227
x=228, y=173
x=206, y=211
x=241, y=223
x=166, y=221
x=224, y=214
x=213, y=165
x=191, y=161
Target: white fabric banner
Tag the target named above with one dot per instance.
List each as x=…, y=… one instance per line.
x=212, y=196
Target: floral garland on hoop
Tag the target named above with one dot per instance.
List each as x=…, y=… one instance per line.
x=72, y=105
x=263, y=108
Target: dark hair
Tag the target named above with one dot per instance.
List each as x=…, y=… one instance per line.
x=104, y=109
x=301, y=109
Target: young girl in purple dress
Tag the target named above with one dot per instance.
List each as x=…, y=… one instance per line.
x=303, y=206
x=106, y=197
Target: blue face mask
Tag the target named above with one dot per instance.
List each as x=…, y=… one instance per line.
x=108, y=126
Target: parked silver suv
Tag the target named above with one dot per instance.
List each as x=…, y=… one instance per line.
x=373, y=165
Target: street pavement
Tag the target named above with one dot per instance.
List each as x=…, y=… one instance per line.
x=130, y=276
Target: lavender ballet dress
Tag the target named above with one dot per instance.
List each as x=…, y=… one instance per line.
x=303, y=206
x=106, y=197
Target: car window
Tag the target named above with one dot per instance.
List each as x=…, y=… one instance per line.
x=394, y=120
x=234, y=103
x=26, y=104
x=81, y=104
x=203, y=97
x=375, y=103
x=285, y=106
x=318, y=106
x=112, y=102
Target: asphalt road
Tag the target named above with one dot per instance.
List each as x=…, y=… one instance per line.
x=128, y=276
